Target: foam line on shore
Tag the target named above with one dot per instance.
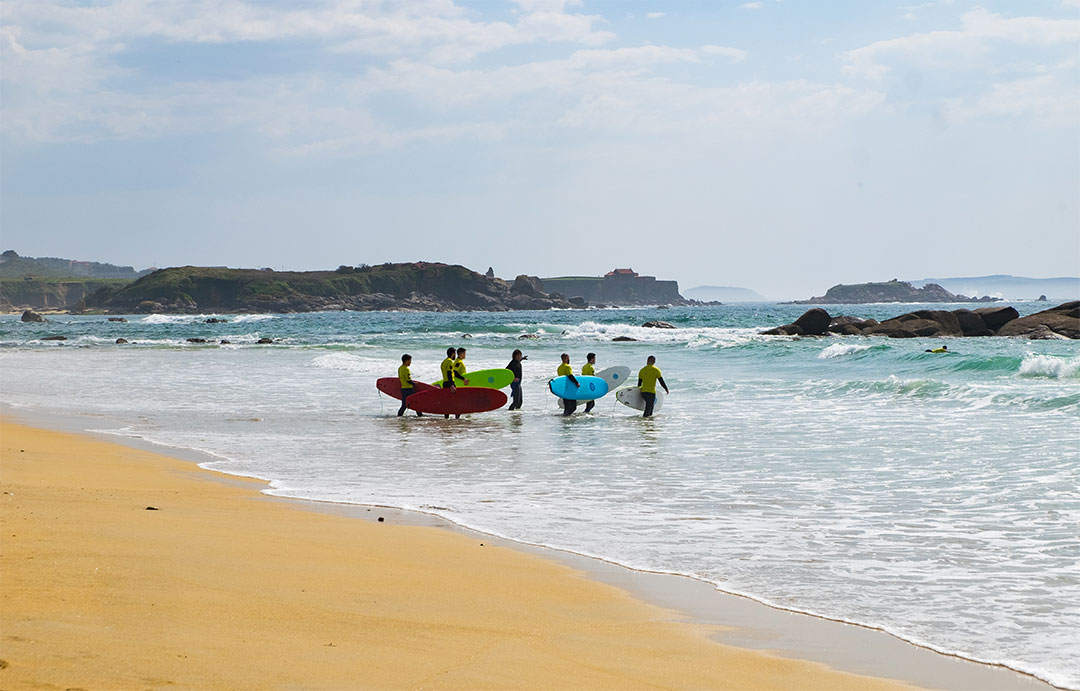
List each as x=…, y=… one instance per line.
x=345, y=602
x=207, y=460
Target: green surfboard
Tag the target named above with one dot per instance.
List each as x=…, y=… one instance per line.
x=486, y=379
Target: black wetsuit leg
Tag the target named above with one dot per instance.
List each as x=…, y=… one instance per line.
x=569, y=407
x=650, y=401
x=515, y=390
x=589, y=406
x=404, y=397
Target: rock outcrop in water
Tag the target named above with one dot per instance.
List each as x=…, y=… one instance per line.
x=1062, y=321
x=419, y=286
x=890, y=291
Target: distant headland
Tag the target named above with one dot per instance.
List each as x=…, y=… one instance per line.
x=414, y=286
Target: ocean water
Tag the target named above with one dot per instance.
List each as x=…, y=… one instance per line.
x=936, y=497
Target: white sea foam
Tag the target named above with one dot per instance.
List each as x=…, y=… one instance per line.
x=201, y=318
x=842, y=349
x=174, y=318
x=347, y=362
x=1049, y=366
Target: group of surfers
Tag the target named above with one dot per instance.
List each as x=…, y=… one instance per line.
x=453, y=371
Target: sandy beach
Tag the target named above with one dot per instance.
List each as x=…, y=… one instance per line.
x=219, y=586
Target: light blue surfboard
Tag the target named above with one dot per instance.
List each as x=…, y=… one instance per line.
x=589, y=388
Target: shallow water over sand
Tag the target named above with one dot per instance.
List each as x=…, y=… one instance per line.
x=863, y=479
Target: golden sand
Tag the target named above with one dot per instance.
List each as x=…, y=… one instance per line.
x=222, y=587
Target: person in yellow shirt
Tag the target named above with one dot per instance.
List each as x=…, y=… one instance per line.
x=447, y=369
x=647, y=378
x=459, y=370
x=459, y=366
x=942, y=349
x=589, y=369
x=407, y=386
x=565, y=370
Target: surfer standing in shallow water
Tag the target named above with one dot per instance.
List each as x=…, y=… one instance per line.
x=459, y=371
x=565, y=370
x=407, y=386
x=515, y=386
x=647, y=378
x=589, y=368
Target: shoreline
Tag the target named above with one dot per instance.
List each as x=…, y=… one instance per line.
x=733, y=620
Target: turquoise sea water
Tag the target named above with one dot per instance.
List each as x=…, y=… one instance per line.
x=933, y=496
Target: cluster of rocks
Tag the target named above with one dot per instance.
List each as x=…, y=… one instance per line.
x=1059, y=322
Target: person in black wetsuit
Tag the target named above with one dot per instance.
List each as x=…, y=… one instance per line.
x=569, y=405
x=589, y=368
x=515, y=386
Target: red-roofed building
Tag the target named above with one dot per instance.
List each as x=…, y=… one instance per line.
x=621, y=272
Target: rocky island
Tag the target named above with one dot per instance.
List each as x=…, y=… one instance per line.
x=889, y=291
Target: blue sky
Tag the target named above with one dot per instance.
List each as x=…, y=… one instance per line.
x=781, y=146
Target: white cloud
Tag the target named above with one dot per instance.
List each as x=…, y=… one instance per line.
x=656, y=15
x=979, y=33
x=751, y=6
x=1048, y=97
x=735, y=54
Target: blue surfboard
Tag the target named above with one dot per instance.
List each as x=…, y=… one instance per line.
x=589, y=388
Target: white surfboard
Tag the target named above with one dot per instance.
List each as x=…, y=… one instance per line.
x=632, y=398
x=615, y=376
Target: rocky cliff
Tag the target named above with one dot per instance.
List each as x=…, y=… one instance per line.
x=20, y=294
x=890, y=291
x=419, y=286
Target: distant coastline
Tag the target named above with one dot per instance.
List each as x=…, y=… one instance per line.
x=415, y=286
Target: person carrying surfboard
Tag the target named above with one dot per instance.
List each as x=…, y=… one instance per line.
x=565, y=370
x=515, y=386
x=459, y=369
x=407, y=386
x=647, y=378
x=447, y=369
x=589, y=368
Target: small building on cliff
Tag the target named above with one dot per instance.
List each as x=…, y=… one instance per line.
x=616, y=287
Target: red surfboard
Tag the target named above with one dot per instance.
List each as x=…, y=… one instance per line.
x=391, y=386
x=457, y=402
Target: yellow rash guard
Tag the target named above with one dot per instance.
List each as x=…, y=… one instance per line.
x=447, y=369
x=648, y=376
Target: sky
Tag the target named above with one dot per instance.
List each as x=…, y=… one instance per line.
x=780, y=145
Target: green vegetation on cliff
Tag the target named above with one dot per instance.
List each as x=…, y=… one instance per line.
x=418, y=286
